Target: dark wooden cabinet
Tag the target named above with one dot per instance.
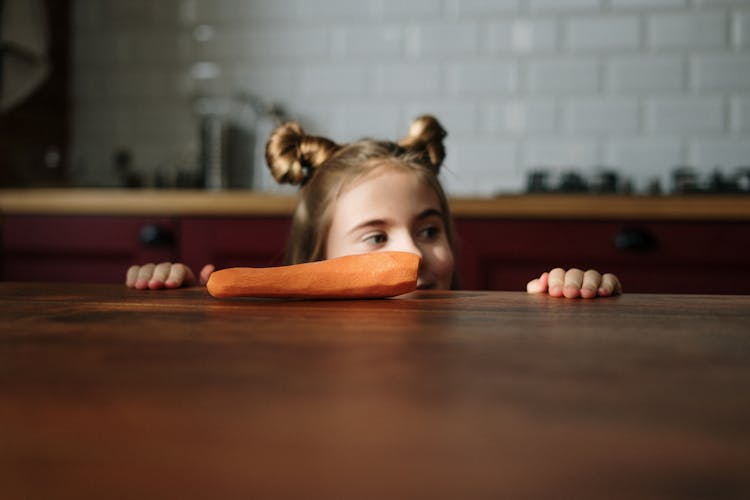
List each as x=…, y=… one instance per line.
x=89, y=249
x=233, y=241
x=99, y=249
x=648, y=256
x=492, y=253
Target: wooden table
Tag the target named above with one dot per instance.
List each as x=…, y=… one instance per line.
x=112, y=393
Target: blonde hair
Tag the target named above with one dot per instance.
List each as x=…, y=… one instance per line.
x=324, y=169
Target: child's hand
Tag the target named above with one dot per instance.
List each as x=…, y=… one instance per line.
x=575, y=283
x=164, y=275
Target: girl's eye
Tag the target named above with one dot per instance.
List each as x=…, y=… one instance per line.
x=430, y=232
x=375, y=239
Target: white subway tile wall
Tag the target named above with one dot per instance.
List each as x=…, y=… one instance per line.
x=645, y=73
x=741, y=113
x=640, y=86
x=701, y=30
x=603, y=34
x=686, y=114
x=741, y=29
x=614, y=115
x=649, y=159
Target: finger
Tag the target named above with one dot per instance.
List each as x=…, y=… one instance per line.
x=538, y=285
x=610, y=285
x=161, y=271
x=131, y=276
x=555, y=282
x=179, y=275
x=592, y=279
x=617, y=290
x=144, y=276
x=206, y=273
x=573, y=282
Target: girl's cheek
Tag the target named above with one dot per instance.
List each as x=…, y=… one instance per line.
x=446, y=254
x=442, y=264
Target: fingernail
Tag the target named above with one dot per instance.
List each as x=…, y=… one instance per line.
x=604, y=292
x=171, y=284
x=588, y=293
x=571, y=292
x=141, y=284
x=555, y=291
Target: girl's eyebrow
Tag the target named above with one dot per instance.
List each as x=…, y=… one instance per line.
x=424, y=214
x=429, y=213
x=367, y=223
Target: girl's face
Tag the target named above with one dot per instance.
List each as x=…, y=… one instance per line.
x=392, y=210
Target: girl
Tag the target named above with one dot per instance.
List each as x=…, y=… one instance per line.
x=371, y=196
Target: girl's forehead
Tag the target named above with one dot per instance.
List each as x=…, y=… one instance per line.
x=391, y=194
x=387, y=172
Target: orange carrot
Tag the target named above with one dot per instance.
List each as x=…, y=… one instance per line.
x=369, y=275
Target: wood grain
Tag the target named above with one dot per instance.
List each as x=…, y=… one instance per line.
x=107, y=392
x=249, y=203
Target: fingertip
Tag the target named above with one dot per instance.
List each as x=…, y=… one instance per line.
x=571, y=292
x=155, y=284
x=205, y=273
x=588, y=293
x=604, y=292
x=172, y=284
x=556, y=291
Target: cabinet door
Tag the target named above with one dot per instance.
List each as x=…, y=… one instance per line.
x=650, y=257
x=233, y=241
x=83, y=248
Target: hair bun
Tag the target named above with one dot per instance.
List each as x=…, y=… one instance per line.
x=426, y=136
x=293, y=156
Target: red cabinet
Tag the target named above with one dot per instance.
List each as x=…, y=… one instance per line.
x=83, y=248
x=648, y=256
x=492, y=253
x=233, y=241
x=99, y=249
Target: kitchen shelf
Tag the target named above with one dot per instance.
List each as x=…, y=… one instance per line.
x=248, y=203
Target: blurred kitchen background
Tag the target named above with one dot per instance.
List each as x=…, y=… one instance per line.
x=535, y=94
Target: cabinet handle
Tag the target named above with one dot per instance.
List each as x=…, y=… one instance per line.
x=635, y=240
x=154, y=235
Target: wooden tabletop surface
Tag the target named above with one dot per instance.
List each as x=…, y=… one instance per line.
x=111, y=393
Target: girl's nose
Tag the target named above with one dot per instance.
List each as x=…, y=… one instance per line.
x=406, y=244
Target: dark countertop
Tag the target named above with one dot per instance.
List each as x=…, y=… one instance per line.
x=107, y=392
